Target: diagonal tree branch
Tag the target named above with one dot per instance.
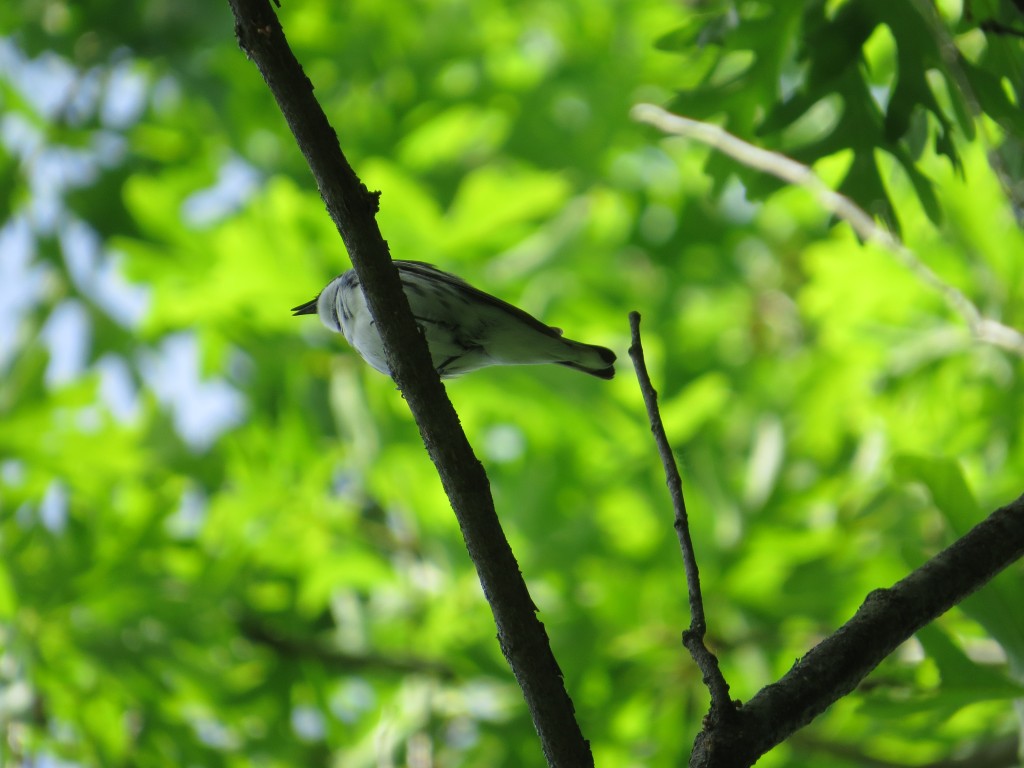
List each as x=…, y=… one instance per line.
x=887, y=618
x=352, y=208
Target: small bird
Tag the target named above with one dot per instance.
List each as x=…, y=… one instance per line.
x=466, y=329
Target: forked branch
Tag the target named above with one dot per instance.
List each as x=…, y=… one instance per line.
x=736, y=736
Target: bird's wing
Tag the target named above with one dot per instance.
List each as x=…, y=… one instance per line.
x=430, y=272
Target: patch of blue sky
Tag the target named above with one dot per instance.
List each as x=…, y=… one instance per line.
x=117, y=92
x=22, y=285
x=236, y=182
x=67, y=334
x=202, y=410
x=96, y=274
x=53, y=509
x=47, y=81
x=124, y=96
x=118, y=389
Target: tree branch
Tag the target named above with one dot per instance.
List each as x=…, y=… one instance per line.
x=352, y=208
x=887, y=618
x=292, y=647
x=789, y=170
x=722, y=708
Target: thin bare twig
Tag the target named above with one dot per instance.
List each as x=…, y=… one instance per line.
x=722, y=707
x=789, y=170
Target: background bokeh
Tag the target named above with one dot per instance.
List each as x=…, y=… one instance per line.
x=221, y=540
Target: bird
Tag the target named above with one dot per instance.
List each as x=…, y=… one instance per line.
x=466, y=329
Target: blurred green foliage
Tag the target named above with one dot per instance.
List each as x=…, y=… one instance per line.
x=222, y=541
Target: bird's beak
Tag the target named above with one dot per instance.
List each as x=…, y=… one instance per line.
x=309, y=308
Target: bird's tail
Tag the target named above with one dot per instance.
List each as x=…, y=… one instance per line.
x=589, y=358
